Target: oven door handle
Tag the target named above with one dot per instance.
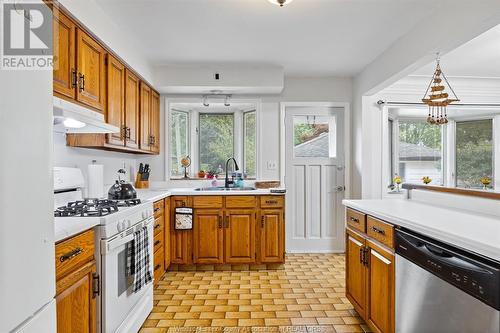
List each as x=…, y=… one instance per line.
x=108, y=246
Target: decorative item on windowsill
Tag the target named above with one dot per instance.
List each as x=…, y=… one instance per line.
x=201, y=174
x=426, y=180
x=211, y=174
x=397, y=181
x=438, y=100
x=185, y=163
x=486, y=181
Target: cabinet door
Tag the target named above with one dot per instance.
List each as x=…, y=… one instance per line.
x=239, y=236
x=180, y=240
x=155, y=122
x=145, y=112
x=75, y=301
x=208, y=237
x=355, y=272
x=64, y=79
x=132, y=98
x=91, y=72
x=115, y=113
x=272, y=236
x=167, y=228
x=381, y=289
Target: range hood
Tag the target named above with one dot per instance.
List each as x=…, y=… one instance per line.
x=73, y=118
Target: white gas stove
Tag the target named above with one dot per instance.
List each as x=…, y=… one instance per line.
x=119, y=308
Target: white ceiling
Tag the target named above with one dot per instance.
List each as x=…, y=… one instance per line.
x=307, y=37
x=479, y=57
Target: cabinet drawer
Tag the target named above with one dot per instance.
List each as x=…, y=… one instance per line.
x=356, y=220
x=159, y=265
x=272, y=201
x=158, y=241
x=180, y=202
x=158, y=225
x=238, y=201
x=159, y=207
x=207, y=201
x=380, y=231
x=74, y=252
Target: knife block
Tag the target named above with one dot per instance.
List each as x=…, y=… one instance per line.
x=141, y=183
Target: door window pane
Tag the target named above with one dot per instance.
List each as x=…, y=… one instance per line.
x=216, y=140
x=313, y=136
x=249, y=144
x=179, y=140
x=420, y=152
x=474, y=152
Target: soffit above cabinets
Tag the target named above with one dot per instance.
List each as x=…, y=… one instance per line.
x=205, y=79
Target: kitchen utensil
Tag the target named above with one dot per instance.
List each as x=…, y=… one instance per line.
x=122, y=190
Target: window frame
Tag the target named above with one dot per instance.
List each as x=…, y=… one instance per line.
x=176, y=103
x=188, y=137
x=243, y=159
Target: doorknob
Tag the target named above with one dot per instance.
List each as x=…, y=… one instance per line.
x=339, y=189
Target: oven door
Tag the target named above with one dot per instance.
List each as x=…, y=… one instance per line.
x=118, y=298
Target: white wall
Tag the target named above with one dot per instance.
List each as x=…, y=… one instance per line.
x=445, y=30
x=65, y=156
x=329, y=89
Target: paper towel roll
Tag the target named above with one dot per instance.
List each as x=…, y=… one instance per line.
x=95, y=181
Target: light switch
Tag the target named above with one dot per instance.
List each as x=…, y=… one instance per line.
x=272, y=165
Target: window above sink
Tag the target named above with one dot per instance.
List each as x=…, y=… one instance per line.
x=210, y=135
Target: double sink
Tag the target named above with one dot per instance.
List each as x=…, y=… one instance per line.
x=222, y=188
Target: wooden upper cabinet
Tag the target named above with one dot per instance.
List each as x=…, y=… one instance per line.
x=64, y=78
x=132, y=99
x=381, y=289
x=355, y=272
x=145, y=112
x=90, y=71
x=76, y=301
x=115, y=113
x=272, y=242
x=239, y=236
x=208, y=236
x=155, y=122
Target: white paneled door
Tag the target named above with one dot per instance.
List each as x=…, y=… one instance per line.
x=314, y=177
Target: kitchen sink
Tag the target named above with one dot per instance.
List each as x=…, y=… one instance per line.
x=222, y=188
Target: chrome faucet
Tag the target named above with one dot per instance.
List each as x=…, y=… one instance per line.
x=227, y=181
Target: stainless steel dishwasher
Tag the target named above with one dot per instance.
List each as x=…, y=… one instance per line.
x=443, y=289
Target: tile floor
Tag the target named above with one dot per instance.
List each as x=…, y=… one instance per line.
x=306, y=296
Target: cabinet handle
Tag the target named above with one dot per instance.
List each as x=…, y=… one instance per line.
x=81, y=78
x=71, y=254
x=378, y=230
x=157, y=242
x=156, y=209
x=127, y=131
x=271, y=202
x=227, y=222
x=262, y=219
x=366, y=261
x=157, y=267
x=353, y=219
x=220, y=222
x=96, y=285
x=74, y=81
x=157, y=226
x=361, y=259
x=123, y=133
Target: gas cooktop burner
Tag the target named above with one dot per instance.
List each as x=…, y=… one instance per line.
x=94, y=207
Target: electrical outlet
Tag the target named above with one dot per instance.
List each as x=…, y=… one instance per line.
x=272, y=165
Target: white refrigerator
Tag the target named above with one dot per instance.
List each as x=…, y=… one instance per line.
x=27, y=264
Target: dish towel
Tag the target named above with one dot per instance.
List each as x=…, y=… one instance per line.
x=142, y=269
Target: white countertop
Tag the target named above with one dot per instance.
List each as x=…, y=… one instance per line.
x=158, y=194
x=66, y=227
x=475, y=232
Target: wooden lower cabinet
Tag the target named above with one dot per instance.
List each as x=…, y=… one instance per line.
x=381, y=285
x=77, y=284
x=167, y=230
x=208, y=237
x=272, y=236
x=370, y=280
x=355, y=272
x=180, y=240
x=239, y=236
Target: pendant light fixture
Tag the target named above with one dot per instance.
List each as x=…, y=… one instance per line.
x=280, y=3
x=438, y=99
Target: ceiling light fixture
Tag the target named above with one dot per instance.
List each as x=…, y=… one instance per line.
x=205, y=101
x=280, y=3
x=73, y=123
x=438, y=100
x=226, y=101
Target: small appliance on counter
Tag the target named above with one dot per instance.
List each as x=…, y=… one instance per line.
x=142, y=177
x=122, y=190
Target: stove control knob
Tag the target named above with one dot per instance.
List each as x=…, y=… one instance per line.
x=119, y=227
x=144, y=215
x=129, y=223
